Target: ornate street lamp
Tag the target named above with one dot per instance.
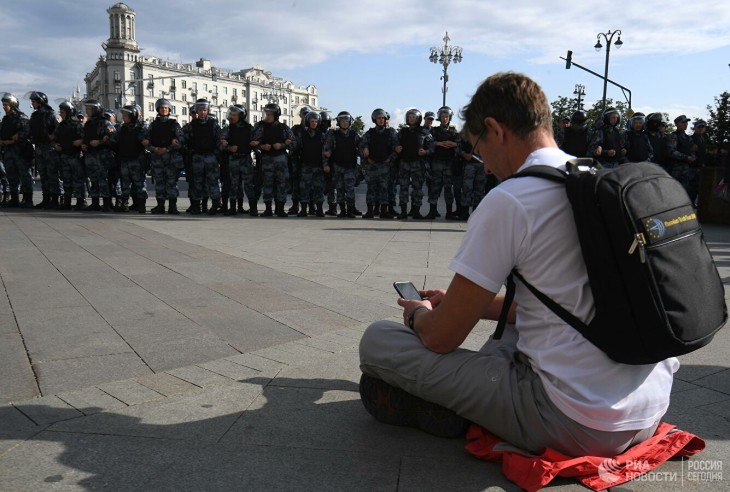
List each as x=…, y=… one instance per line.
x=609, y=38
x=580, y=91
x=445, y=55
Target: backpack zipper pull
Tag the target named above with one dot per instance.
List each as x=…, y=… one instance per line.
x=639, y=242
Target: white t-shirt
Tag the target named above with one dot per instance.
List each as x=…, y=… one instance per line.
x=527, y=223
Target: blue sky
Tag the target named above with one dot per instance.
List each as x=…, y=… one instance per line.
x=367, y=54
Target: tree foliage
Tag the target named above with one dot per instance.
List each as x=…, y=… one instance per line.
x=358, y=125
x=566, y=106
x=718, y=126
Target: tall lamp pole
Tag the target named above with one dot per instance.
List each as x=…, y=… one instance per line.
x=445, y=55
x=609, y=39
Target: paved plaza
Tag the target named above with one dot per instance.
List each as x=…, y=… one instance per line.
x=142, y=352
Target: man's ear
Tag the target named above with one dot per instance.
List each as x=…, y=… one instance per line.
x=495, y=128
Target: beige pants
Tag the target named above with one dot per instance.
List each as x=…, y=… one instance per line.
x=495, y=388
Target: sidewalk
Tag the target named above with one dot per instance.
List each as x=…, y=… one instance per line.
x=197, y=353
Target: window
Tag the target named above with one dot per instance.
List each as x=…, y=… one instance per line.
x=235, y=91
x=255, y=106
x=173, y=110
x=184, y=84
x=184, y=111
x=132, y=75
x=205, y=87
x=184, y=97
x=195, y=87
x=255, y=119
x=225, y=90
x=297, y=100
x=117, y=76
x=284, y=100
x=152, y=107
x=225, y=103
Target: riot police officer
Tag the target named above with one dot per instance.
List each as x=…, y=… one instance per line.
x=202, y=137
x=682, y=157
x=164, y=140
x=130, y=149
x=340, y=148
x=295, y=162
x=236, y=143
x=575, y=136
x=272, y=138
x=444, y=147
x=68, y=139
x=313, y=164
x=98, y=155
x=379, y=148
x=43, y=123
x=607, y=143
x=17, y=151
x=638, y=147
x=655, y=131
x=414, y=142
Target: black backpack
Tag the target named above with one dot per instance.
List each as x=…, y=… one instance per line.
x=656, y=289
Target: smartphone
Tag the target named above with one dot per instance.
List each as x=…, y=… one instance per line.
x=407, y=290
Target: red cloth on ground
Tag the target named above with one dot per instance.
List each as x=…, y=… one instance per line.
x=532, y=472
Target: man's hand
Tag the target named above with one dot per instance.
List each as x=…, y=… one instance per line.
x=277, y=146
x=326, y=169
x=434, y=296
x=598, y=151
x=145, y=142
x=160, y=150
x=328, y=154
x=232, y=149
x=366, y=152
x=266, y=147
x=422, y=152
x=95, y=143
x=399, y=149
x=611, y=153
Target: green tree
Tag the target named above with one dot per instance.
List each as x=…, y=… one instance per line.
x=562, y=106
x=718, y=126
x=595, y=113
x=358, y=125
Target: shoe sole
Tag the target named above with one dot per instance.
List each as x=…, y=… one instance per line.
x=395, y=406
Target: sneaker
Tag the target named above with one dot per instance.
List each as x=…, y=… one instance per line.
x=395, y=406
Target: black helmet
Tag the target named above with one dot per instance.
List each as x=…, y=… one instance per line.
x=343, y=115
x=378, y=113
x=108, y=114
x=429, y=115
x=67, y=108
x=607, y=116
x=579, y=119
x=11, y=100
x=654, y=121
x=565, y=117
x=96, y=105
x=201, y=104
x=273, y=108
x=162, y=102
x=131, y=111
x=312, y=116
x=193, y=109
x=325, y=119
x=415, y=112
x=81, y=115
x=304, y=111
x=638, y=116
x=445, y=110
x=240, y=109
x=39, y=96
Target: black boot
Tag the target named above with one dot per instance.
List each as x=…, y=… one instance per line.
x=52, y=202
x=214, y=206
x=241, y=210
x=5, y=199
x=391, y=211
x=124, y=205
x=172, y=207
x=343, y=211
x=464, y=213
x=370, y=213
x=80, y=204
x=385, y=212
x=223, y=206
x=268, y=212
x=195, y=207
x=231, y=209
x=141, y=206
x=280, y=212
x=160, y=208
x=450, y=214
x=294, y=209
x=204, y=205
x=253, y=208
x=350, y=214
x=331, y=209
x=416, y=213
x=320, y=210
x=117, y=204
x=27, y=200
x=353, y=210
x=64, y=202
x=312, y=210
x=403, y=215
x=303, y=211
x=14, y=201
x=94, y=207
x=43, y=203
x=107, y=204
x=432, y=212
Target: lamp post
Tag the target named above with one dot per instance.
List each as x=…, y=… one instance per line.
x=580, y=91
x=445, y=55
x=608, y=36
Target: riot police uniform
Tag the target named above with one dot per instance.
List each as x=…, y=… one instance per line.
x=341, y=147
x=272, y=138
x=638, y=147
x=655, y=125
x=310, y=144
x=17, y=152
x=130, y=148
x=68, y=138
x=414, y=142
x=378, y=149
x=43, y=123
x=294, y=163
x=442, y=162
x=574, y=139
x=236, y=143
x=202, y=137
x=99, y=158
x=164, y=140
x=607, y=143
x=681, y=156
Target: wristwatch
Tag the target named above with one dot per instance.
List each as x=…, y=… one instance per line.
x=411, y=317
